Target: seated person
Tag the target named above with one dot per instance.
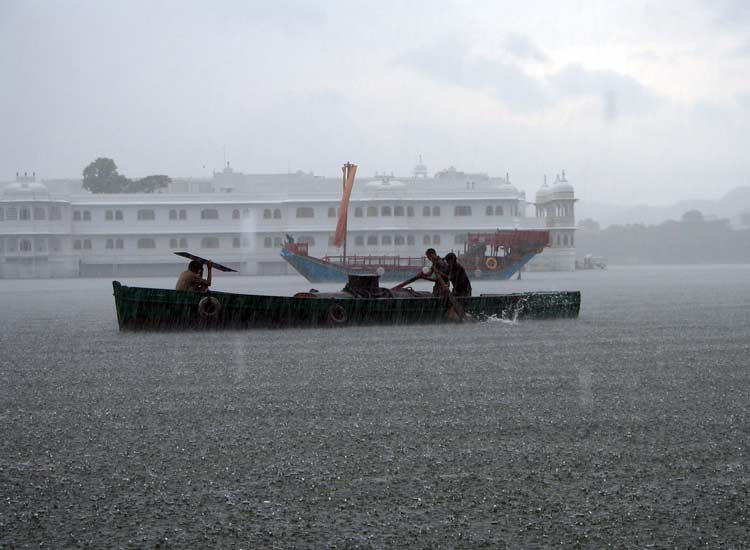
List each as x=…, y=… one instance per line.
x=457, y=276
x=192, y=278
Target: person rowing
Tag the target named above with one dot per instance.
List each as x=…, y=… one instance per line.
x=457, y=276
x=438, y=272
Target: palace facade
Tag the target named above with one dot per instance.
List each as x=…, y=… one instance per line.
x=48, y=229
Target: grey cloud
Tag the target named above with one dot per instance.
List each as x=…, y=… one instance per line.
x=451, y=62
x=521, y=47
x=618, y=92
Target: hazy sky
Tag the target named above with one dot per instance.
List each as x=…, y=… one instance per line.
x=640, y=101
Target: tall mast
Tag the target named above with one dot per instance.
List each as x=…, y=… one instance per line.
x=345, y=170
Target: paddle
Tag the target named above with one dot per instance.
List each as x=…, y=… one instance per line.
x=407, y=282
x=205, y=261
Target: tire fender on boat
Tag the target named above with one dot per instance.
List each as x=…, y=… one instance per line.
x=337, y=315
x=491, y=263
x=209, y=307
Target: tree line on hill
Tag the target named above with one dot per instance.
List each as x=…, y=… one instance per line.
x=692, y=240
x=101, y=176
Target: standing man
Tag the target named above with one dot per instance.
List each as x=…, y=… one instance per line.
x=439, y=271
x=192, y=279
x=457, y=276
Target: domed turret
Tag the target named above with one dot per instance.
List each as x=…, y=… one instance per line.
x=562, y=189
x=544, y=192
x=27, y=187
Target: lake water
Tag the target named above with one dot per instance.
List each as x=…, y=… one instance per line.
x=626, y=427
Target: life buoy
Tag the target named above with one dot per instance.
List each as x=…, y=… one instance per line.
x=337, y=314
x=491, y=263
x=209, y=308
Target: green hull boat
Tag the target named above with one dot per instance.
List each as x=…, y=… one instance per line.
x=155, y=309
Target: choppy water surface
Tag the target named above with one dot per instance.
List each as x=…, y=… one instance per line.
x=629, y=426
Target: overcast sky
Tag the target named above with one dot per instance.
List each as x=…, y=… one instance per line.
x=639, y=101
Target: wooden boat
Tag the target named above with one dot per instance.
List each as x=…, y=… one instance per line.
x=362, y=301
x=493, y=256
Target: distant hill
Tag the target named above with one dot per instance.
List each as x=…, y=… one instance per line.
x=729, y=206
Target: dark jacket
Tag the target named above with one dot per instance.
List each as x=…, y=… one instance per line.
x=459, y=280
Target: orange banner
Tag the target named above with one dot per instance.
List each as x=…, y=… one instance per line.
x=350, y=170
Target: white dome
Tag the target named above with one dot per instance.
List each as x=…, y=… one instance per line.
x=26, y=189
x=543, y=193
x=562, y=186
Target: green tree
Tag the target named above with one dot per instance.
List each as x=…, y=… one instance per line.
x=101, y=176
x=149, y=184
x=692, y=216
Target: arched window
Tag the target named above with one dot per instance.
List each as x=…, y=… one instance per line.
x=426, y=211
x=398, y=240
x=436, y=239
x=267, y=214
x=77, y=244
x=462, y=211
x=372, y=211
x=146, y=243
x=489, y=211
x=565, y=240
x=235, y=214
x=236, y=242
x=110, y=244
x=173, y=243
x=426, y=239
x=118, y=215
x=183, y=242
x=410, y=211
x=558, y=240
x=39, y=213
x=308, y=239
x=386, y=240
x=11, y=214
x=24, y=214
x=245, y=213
x=372, y=240
x=86, y=216
x=109, y=215
x=359, y=240
x=410, y=240
x=277, y=242
x=499, y=211
x=571, y=240
x=385, y=211
x=358, y=212
x=435, y=210
x=87, y=244
x=331, y=212
x=305, y=212
x=398, y=210
x=146, y=214
x=2, y=214
x=267, y=242
x=210, y=242
x=277, y=214
x=25, y=245
x=173, y=214
x=119, y=243
x=209, y=214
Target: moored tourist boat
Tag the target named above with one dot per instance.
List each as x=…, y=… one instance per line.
x=362, y=301
x=494, y=256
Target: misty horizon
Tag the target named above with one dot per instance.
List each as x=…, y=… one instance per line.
x=637, y=107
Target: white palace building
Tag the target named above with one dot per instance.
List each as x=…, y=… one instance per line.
x=56, y=229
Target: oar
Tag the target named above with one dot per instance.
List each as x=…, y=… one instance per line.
x=407, y=282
